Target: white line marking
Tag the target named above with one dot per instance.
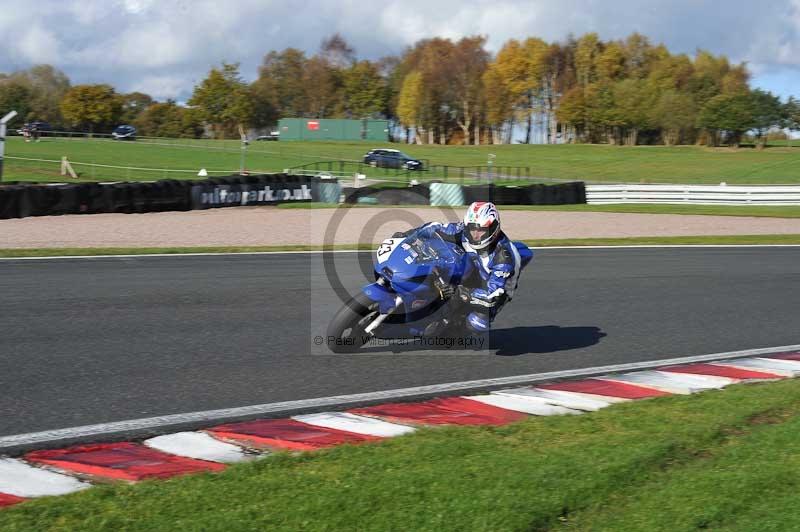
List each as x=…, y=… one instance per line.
x=198, y=445
x=771, y=365
x=355, y=423
x=173, y=255
x=668, y=382
x=23, y=480
x=223, y=415
x=557, y=397
x=309, y=252
x=527, y=405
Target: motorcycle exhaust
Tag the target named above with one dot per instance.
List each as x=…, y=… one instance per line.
x=377, y=321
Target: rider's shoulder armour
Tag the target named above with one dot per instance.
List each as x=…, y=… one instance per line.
x=502, y=252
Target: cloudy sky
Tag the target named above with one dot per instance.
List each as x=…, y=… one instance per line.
x=164, y=47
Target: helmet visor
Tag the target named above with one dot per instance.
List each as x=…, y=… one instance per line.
x=477, y=234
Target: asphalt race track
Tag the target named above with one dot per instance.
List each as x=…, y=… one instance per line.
x=88, y=341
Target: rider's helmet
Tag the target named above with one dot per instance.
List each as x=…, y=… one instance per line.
x=482, y=224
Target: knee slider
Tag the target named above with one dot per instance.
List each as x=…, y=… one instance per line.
x=478, y=322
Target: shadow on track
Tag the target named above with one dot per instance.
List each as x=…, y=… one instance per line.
x=513, y=341
x=545, y=339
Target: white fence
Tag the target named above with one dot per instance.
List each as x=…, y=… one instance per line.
x=694, y=194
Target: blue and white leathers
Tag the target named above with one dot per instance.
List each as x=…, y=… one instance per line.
x=418, y=273
x=497, y=267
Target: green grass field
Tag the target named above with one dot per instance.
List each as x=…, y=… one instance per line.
x=685, y=164
x=722, y=460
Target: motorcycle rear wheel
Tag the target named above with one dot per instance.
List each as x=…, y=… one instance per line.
x=345, y=332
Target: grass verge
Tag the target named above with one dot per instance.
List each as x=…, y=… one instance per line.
x=649, y=164
x=721, y=459
x=765, y=211
x=577, y=242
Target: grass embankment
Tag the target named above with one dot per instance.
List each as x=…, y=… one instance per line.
x=684, y=164
x=742, y=240
x=725, y=460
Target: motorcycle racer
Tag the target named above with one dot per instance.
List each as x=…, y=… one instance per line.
x=496, y=262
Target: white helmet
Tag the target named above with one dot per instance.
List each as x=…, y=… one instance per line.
x=481, y=224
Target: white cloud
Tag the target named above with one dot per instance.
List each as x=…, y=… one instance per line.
x=136, y=6
x=161, y=87
x=171, y=45
x=38, y=45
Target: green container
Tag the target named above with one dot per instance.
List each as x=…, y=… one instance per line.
x=333, y=129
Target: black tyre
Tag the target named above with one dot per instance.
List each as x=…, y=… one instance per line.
x=346, y=330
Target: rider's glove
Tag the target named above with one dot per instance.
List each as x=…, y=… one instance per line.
x=482, y=298
x=446, y=291
x=463, y=293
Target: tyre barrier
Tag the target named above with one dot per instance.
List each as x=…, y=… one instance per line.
x=413, y=195
x=561, y=194
x=19, y=201
x=22, y=200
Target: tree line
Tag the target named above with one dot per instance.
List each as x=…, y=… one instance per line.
x=579, y=90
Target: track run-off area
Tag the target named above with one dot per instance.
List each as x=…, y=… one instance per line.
x=101, y=340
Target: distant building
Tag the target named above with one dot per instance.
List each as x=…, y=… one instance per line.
x=333, y=129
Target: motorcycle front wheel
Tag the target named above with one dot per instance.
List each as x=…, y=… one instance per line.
x=345, y=332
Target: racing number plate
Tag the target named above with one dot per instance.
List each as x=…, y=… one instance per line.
x=386, y=248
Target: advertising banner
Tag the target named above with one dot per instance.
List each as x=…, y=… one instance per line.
x=208, y=196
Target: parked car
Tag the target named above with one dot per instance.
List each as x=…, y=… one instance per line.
x=273, y=135
x=385, y=158
x=124, y=132
x=37, y=127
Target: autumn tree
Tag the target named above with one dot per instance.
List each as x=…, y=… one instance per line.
x=409, y=106
x=15, y=95
x=573, y=113
x=133, y=104
x=536, y=51
x=767, y=112
x=727, y=114
x=557, y=77
x=223, y=100
x=587, y=50
x=391, y=70
x=674, y=114
x=281, y=79
x=336, y=52
x=365, y=91
x=265, y=110
x=633, y=101
x=469, y=62
x=791, y=112
x=91, y=106
x=432, y=60
x=511, y=66
x=322, y=89
x=497, y=101
x=168, y=119
x=48, y=86
x=609, y=63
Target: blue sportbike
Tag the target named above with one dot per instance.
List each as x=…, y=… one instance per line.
x=416, y=278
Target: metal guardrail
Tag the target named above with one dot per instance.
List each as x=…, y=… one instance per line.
x=446, y=173
x=694, y=194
